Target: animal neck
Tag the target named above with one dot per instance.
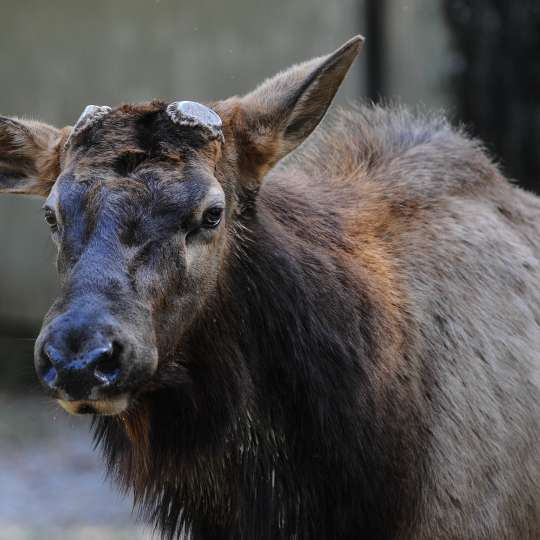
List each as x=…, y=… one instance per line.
x=250, y=401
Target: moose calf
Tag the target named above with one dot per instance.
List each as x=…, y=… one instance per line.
x=343, y=346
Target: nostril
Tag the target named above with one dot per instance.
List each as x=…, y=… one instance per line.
x=46, y=371
x=107, y=365
x=49, y=377
x=53, y=356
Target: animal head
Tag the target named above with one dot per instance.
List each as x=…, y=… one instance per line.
x=144, y=202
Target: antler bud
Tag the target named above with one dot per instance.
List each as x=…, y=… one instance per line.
x=90, y=115
x=193, y=114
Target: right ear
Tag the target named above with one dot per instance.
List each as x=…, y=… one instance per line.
x=30, y=156
x=279, y=115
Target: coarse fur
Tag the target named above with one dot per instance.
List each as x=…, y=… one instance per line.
x=365, y=363
x=373, y=371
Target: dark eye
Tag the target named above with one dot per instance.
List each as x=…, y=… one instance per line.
x=212, y=217
x=50, y=218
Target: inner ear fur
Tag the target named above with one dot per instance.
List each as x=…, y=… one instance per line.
x=277, y=116
x=30, y=155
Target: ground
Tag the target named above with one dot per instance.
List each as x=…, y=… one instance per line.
x=52, y=484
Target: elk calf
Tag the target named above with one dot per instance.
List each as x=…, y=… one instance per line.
x=343, y=346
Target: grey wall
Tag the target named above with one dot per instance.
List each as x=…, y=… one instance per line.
x=56, y=57
x=420, y=60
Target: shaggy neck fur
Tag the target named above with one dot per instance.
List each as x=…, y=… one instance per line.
x=245, y=424
x=276, y=418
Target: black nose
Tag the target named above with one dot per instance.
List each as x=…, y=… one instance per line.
x=94, y=367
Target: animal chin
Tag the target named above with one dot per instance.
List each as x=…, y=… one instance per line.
x=109, y=407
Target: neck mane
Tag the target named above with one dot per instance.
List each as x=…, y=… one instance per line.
x=245, y=423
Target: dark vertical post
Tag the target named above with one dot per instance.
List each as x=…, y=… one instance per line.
x=497, y=83
x=375, y=53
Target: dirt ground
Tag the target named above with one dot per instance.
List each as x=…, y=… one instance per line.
x=52, y=483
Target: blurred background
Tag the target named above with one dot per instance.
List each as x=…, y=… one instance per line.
x=477, y=59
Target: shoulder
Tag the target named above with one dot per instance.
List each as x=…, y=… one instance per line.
x=407, y=152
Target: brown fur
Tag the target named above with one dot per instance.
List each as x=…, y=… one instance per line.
x=353, y=353
x=31, y=149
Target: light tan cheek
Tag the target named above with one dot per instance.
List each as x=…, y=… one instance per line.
x=204, y=258
x=196, y=254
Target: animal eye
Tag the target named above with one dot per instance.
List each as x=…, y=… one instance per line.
x=50, y=218
x=212, y=217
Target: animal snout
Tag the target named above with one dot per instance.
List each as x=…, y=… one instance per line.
x=80, y=357
x=80, y=374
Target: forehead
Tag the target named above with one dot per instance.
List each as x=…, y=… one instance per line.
x=137, y=155
x=147, y=190
x=145, y=129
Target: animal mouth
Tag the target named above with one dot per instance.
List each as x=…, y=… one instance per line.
x=101, y=407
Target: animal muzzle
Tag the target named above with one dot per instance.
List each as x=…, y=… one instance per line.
x=90, y=363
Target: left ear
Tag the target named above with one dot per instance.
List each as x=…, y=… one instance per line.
x=30, y=154
x=276, y=117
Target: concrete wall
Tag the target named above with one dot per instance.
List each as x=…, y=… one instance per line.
x=56, y=57
x=420, y=60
